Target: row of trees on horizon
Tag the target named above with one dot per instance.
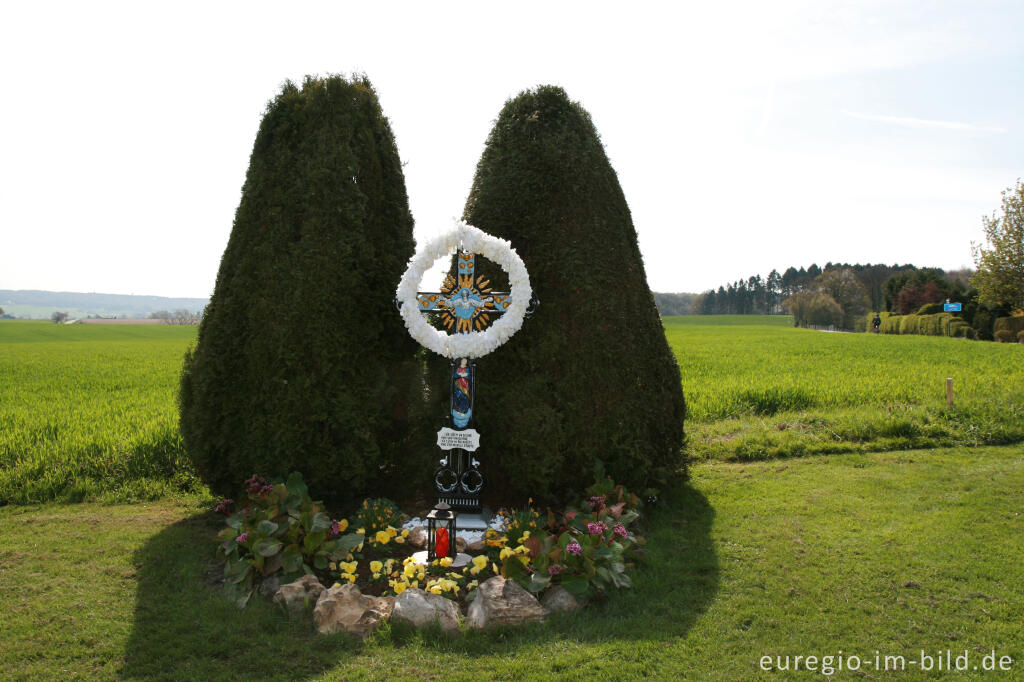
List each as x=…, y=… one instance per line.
x=840, y=294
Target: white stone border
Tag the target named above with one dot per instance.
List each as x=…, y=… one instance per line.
x=471, y=344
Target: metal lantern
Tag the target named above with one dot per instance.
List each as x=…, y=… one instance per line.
x=441, y=532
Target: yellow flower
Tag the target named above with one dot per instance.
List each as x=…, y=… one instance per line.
x=495, y=567
x=472, y=585
x=522, y=549
x=349, y=577
x=349, y=567
x=410, y=570
x=400, y=588
x=334, y=566
x=421, y=575
x=361, y=531
x=474, y=570
x=446, y=561
x=480, y=562
x=343, y=524
x=526, y=535
x=405, y=532
x=525, y=560
x=383, y=537
x=337, y=584
x=436, y=589
x=505, y=553
x=392, y=531
x=400, y=540
x=376, y=566
x=414, y=584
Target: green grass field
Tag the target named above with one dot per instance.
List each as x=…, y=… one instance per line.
x=896, y=552
x=88, y=411
x=757, y=388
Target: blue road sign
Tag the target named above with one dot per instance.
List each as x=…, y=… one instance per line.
x=951, y=307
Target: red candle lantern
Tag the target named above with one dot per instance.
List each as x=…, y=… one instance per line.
x=441, y=532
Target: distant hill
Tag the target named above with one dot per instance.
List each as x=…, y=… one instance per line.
x=42, y=304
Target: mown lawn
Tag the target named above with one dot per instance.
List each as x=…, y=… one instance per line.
x=888, y=552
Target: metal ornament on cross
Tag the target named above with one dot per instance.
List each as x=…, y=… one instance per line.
x=479, y=320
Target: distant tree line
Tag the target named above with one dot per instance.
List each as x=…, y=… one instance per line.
x=840, y=294
x=674, y=304
x=179, y=316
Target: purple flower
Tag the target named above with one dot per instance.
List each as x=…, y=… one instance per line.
x=224, y=507
x=266, y=490
x=574, y=548
x=620, y=530
x=242, y=538
x=596, y=501
x=597, y=528
x=554, y=569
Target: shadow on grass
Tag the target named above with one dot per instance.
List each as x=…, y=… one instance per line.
x=183, y=628
x=675, y=585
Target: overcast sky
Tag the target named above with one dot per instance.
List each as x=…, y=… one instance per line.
x=746, y=136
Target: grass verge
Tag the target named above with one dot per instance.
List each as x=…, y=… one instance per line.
x=890, y=552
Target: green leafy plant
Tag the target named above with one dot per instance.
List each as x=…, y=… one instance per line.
x=279, y=532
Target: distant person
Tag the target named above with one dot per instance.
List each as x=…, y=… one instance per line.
x=876, y=323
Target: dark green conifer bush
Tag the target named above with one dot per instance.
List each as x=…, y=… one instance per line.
x=590, y=376
x=302, y=363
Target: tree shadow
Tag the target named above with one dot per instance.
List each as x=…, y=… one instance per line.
x=185, y=628
x=675, y=585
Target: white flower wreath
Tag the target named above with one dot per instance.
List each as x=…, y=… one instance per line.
x=471, y=344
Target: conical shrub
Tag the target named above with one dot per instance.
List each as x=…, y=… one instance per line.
x=590, y=376
x=301, y=363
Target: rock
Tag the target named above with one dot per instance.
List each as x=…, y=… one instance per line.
x=460, y=544
x=343, y=608
x=417, y=537
x=298, y=597
x=423, y=609
x=502, y=602
x=270, y=586
x=557, y=599
x=475, y=547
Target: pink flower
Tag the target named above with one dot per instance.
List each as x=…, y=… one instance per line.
x=574, y=548
x=242, y=538
x=224, y=507
x=569, y=516
x=596, y=528
x=254, y=484
x=554, y=569
x=620, y=530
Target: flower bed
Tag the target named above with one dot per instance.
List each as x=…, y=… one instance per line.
x=279, y=533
